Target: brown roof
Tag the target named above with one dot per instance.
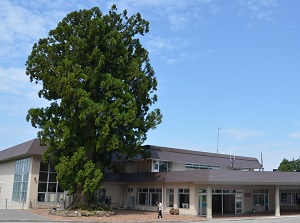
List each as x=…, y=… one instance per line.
x=28, y=148
x=212, y=177
x=197, y=157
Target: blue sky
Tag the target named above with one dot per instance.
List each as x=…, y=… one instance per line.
x=231, y=64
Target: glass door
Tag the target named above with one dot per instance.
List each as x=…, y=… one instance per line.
x=202, y=204
x=238, y=203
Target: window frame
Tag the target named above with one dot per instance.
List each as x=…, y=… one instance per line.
x=261, y=197
x=148, y=196
x=21, y=177
x=183, y=197
x=170, y=193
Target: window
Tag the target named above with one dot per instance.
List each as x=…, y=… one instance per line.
x=149, y=196
x=21, y=180
x=130, y=189
x=156, y=166
x=289, y=198
x=170, y=198
x=260, y=197
x=48, y=187
x=143, y=197
x=164, y=166
x=201, y=166
x=160, y=166
x=184, y=198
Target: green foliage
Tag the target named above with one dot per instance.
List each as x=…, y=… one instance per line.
x=100, y=83
x=290, y=166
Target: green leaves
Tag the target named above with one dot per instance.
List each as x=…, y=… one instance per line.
x=289, y=166
x=100, y=85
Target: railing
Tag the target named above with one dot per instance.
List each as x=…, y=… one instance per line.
x=32, y=204
x=10, y=204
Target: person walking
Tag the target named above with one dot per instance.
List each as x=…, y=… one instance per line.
x=159, y=209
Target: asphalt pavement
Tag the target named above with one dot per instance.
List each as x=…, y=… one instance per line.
x=20, y=216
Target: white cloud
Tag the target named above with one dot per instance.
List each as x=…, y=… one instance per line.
x=173, y=50
x=258, y=9
x=177, y=12
x=17, y=93
x=13, y=80
x=158, y=43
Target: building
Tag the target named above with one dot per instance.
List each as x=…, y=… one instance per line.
x=25, y=180
x=196, y=183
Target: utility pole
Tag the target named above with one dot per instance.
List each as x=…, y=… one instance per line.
x=218, y=140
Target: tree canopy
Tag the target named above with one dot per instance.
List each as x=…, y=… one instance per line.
x=290, y=166
x=100, y=86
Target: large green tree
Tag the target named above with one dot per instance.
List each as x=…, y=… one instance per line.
x=100, y=86
x=289, y=166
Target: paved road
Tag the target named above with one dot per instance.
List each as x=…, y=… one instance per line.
x=20, y=216
x=17, y=216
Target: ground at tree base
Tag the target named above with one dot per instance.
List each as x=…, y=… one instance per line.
x=147, y=216
x=120, y=216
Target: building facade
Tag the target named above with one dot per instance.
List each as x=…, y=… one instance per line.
x=195, y=183
x=25, y=181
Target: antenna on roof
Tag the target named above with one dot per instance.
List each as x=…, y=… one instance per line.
x=218, y=140
x=232, y=159
x=261, y=161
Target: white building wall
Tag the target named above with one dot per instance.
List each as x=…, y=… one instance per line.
x=115, y=192
x=176, y=166
x=7, y=170
x=33, y=180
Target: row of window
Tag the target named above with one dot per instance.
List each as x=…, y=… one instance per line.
x=201, y=166
x=165, y=166
x=289, y=198
x=149, y=196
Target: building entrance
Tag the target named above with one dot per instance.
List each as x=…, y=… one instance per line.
x=227, y=201
x=223, y=202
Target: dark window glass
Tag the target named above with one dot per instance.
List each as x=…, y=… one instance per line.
x=155, y=198
x=44, y=167
x=43, y=176
x=52, y=187
x=41, y=197
x=42, y=187
x=142, y=198
x=52, y=177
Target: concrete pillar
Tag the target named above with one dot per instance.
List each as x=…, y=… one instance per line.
x=209, y=202
x=277, y=202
